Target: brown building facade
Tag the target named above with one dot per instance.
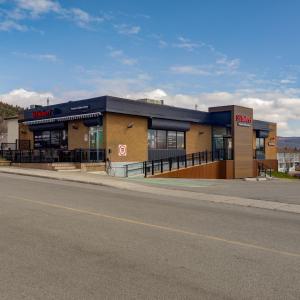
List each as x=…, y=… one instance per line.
x=129, y=131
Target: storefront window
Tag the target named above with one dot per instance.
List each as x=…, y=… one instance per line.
x=172, y=141
x=163, y=139
x=51, y=139
x=96, y=137
x=260, y=148
x=151, y=139
x=180, y=140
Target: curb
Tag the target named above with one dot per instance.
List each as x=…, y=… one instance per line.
x=220, y=199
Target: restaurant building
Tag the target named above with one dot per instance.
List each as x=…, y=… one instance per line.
x=130, y=131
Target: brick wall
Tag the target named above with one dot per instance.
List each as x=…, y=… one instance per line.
x=116, y=132
x=198, y=138
x=78, y=135
x=271, y=142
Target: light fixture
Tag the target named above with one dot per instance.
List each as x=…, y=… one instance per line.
x=130, y=125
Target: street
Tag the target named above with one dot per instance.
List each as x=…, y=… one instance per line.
x=65, y=240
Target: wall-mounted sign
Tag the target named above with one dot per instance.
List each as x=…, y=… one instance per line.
x=80, y=107
x=272, y=142
x=243, y=120
x=122, y=150
x=42, y=114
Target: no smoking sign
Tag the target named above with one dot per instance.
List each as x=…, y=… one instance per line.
x=122, y=150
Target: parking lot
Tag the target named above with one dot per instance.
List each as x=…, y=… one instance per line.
x=278, y=190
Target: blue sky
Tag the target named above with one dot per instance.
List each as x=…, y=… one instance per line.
x=187, y=52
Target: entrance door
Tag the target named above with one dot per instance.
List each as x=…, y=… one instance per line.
x=228, y=147
x=95, y=141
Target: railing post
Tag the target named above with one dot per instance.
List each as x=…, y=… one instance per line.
x=152, y=164
x=206, y=158
x=170, y=164
x=178, y=163
x=145, y=166
x=193, y=159
x=161, y=166
x=185, y=161
x=126, y=170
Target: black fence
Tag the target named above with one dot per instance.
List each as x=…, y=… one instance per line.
x=263, y=170
x=174, y=163
x=17, y=145
x=54, y=155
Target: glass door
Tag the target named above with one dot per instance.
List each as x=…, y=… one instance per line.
x=95, y=141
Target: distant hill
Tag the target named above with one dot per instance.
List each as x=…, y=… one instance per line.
x=289, y=142
x=7, y=110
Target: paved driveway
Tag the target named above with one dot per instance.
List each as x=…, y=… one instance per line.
x=285, y=191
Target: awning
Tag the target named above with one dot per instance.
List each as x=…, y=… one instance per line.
x=50, y=126
x=262, y=133
x=63, y=119
x=93, y=122
x=164, y=124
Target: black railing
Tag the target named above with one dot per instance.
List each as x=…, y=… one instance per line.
x=153, y=167
x=263, y=170
x=17, y=145
x=259, y=154
x=54, y=155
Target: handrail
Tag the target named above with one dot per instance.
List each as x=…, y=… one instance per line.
x=54, y=155
x=177, y=162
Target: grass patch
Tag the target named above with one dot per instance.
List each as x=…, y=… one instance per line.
x=283, y=175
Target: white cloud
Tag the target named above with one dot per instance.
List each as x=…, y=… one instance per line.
x=25, y=98
x=82, y=18
x=122, y=58
x=230, y=64
x=37, y=7
x=186, y=44
x=190, y=70
x=127, y=29
x=41, y=57
x=32, y=9
x=9, y=25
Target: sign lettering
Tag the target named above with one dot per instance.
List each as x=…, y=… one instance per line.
x=41, y=114
x=243, y=120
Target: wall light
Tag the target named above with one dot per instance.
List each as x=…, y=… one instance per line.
x=130, y=125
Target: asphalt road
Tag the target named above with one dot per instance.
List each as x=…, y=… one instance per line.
x=62, y=240
x=277, y=190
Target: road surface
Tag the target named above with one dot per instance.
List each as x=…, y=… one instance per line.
x=63, y=240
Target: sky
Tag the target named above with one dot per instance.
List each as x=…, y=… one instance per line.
x=205, y=53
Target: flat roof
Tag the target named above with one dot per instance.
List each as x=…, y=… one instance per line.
x=138, y=108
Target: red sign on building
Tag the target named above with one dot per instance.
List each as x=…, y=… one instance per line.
x=243, y=120
x=41, y=114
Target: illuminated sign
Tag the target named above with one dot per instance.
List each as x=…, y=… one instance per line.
x=243, y=120
x=41, y=114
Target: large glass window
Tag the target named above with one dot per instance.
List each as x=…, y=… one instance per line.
x=260, y=144
x=96, y=137
x=260, y=148
x=172, y=140
x=51, y=139
x=163, y=139
x=180, y=140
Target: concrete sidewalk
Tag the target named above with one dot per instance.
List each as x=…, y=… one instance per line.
x=121, y=183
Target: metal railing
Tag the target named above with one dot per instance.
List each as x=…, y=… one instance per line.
x=175, y=163
x=17, y=145
x=54, y=155
x=263, y=170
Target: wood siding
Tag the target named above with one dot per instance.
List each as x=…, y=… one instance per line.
x=198, y=138
x=214, y=170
